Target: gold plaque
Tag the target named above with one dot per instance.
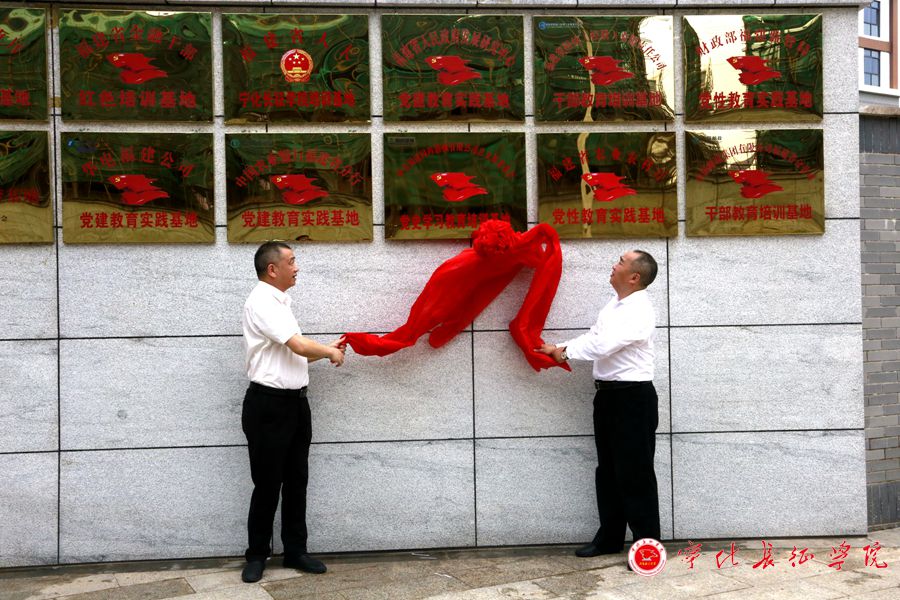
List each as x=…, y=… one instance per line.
x=129, y=65
x=304, y=187
x=296, y=68
x=608, y=185
x=453, y=67
x=23, y=63
x=604, y=68
x=26, y=213
x=755, y=182
x=137, y=187
x=753, y=68
x=444, y=185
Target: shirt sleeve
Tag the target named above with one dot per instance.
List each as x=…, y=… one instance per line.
x=609, y=336
x=273, y=320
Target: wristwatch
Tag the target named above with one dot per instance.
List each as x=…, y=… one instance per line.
x=564, y=356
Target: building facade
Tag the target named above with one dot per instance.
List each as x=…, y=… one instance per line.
x=122, y=372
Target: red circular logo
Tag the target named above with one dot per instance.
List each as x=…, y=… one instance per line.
x=647, y=557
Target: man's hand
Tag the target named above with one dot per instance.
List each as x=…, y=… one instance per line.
x=553, y=351
x=336, y=356
x=340, y=343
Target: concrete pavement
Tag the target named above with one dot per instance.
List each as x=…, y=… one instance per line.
x=525, y=573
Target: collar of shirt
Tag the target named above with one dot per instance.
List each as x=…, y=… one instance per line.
x=632, y=297
x=277, y=294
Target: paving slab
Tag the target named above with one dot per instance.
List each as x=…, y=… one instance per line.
x=516, y=573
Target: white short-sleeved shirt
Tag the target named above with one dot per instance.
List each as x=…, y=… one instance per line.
x=621, y=341
x=268, y=323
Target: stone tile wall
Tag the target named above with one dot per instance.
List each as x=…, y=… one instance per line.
x=119, y=408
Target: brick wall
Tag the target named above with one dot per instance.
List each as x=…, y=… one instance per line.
x=880, y=235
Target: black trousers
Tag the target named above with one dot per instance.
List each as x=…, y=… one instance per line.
x=625, y=421
x=279, y=430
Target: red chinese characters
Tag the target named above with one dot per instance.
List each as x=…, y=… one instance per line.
x=588, y=216
x=295, y=99
x=607, y=99
x=293, y=156
x=167, y=99
x=126, y=156
x=300, y=218
x=475, y=150
x=450, y=37
x=757, y=36
x=766, y=560
x=646, y=164
x=138, y=220
x=15, y=97
x=775, y=150
x=751, y=99
x=691, y=553
x=467, y=220
x=450, y=100
x=765, y=212
x=28, y=195
x=626, y=38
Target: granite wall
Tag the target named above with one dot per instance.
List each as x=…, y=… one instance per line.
x=122, y=385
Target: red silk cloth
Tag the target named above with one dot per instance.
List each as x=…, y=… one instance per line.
x=461, y=287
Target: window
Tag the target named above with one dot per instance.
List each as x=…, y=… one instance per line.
x=871, y=67
x=871, y=19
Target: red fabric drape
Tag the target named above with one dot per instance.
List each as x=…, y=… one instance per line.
x=461, y=287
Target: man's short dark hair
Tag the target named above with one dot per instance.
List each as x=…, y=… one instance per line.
x=645, y=266
x=268, y=254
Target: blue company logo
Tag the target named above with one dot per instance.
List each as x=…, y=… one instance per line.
x=542, y=25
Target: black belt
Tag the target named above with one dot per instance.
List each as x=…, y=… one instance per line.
x=301, y=393
x=599, y=384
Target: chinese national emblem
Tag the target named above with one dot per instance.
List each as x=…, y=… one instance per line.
x=296, y=65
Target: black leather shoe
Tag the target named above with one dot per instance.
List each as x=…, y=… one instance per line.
x=253, y=571
x=593, y=549
x=304, y=562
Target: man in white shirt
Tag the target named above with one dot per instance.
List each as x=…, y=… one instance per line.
x=276, y=417
x=625, y=406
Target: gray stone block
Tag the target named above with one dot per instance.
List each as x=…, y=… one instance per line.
x=541, y=490
x=28, y=396
x=147, y=504
x=29, y=274
x=884, y=503
x=839, y=68
x=531, y=4
x=584, y=286
x=877, y=158
x=511, y=399
x=134, y=393
x=391, y=495
x=28, y=509
x=151, y=290
x=718, y=4
x=841, y=140
x=814, y=3
x=631, y=4
x=731, y=485
x=449, y=4
x=361, y=401
x=777, y=280
x=767, y=378
x=310, y=5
